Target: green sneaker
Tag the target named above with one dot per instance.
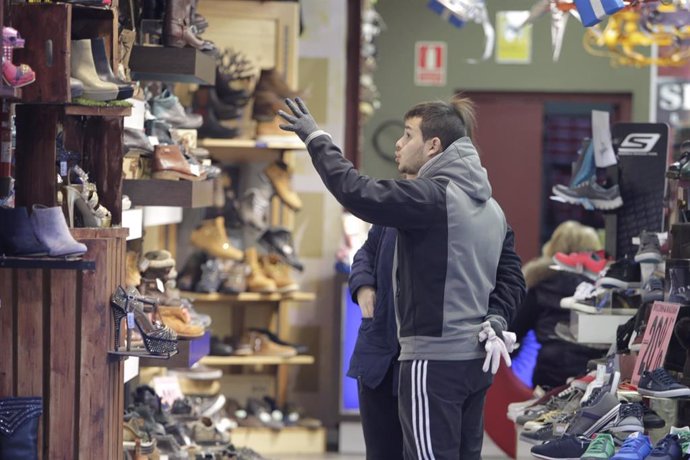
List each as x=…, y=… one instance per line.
x=601, y=447
x=683, y=437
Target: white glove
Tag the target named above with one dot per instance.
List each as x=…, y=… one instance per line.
x=495, y=347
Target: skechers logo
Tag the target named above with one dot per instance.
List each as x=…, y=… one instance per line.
x=639, y=144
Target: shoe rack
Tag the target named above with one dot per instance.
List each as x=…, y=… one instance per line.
x=55, y=325
x=234, y=313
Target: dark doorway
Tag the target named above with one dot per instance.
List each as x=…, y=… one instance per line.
x=527, y=142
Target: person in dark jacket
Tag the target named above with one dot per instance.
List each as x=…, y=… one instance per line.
x=374, y=360
x=450, y=234
x=558, y=359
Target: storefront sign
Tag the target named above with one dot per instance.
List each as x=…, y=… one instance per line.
x=430, y=64
x=656, y=338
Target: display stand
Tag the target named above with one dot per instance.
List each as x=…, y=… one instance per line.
x=55, y=332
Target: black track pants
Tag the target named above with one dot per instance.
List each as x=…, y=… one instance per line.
x=378, y=408
x=441, y=406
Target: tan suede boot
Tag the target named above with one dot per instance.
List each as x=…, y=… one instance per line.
x=279, y=272
x=263, y=346
x=279, y=176
x=257, y=281
x=212, y=238
x=132, y=273
x=177, y=320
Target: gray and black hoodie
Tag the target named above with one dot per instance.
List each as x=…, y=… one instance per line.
x=450, y=236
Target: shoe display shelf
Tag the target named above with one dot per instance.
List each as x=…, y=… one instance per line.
x=55, y=332
x=189, y=352
x=48, y=46
x=236, y=306
x=159, y=192
x=180, y=65
x=249, y=150
x=133, y=220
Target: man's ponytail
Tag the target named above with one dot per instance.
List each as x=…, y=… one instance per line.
x=465, y=109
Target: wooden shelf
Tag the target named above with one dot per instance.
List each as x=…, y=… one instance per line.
x=51, y=263
x=93, y=111
x=292, y=440
x=189, y=352
x=247, y=150
x=180, y=65
x=249, y=297
x=179, y=193
x=255, y=360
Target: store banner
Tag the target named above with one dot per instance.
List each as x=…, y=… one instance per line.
x=642, y=149
x=657, y=336
x=430, y=64
x=514, y=41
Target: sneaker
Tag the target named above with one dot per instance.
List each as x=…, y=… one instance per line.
x=539, y=436
x=587, y=299
x=623, y=274
x=591, y=195
x=649, y=250
x=653, y=289
x=679, y=288
x=683, y=437
x=547, y=419
x=629, y=419
x=589, y=264
x=567, y=447
x=636, y=447
x=596, y=413
x=668, y=448
x=660, y=384
x=601, y=447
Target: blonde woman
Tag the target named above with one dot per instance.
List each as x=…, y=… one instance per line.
x=557, y=359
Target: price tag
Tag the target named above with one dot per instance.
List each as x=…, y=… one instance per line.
x=160, y=286
x=130, y=320
x=195, y=169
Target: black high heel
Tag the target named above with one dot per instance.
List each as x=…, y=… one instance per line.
x=157, y=339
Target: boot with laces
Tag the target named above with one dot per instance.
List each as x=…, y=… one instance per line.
x=257, y=281
x=212, y=238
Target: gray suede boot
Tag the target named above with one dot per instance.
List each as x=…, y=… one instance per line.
x=51, y=229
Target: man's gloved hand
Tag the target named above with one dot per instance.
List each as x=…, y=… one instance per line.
x=302, y=123
x=495, y=348
x=497, y=327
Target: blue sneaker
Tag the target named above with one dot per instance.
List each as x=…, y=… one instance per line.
x=567, y=447
x=636, y=447
x=668, y=448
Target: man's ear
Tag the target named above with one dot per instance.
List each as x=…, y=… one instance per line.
x=435, y=147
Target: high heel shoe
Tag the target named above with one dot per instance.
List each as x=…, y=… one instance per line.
x=93, y=214
x=157, y=339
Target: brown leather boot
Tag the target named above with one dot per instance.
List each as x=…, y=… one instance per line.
x=257, y=281
x=212, y=238
x=280, y=179
x=272, y=81
x=177, y=30
x=279, y=272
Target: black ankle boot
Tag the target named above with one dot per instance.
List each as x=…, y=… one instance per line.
x=19, y=428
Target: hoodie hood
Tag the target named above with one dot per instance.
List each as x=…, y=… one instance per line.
x=460, y=163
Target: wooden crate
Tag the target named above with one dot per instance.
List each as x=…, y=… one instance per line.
x=55, y=331
x=48, y=47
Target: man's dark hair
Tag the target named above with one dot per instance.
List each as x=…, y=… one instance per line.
x=449, y=121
